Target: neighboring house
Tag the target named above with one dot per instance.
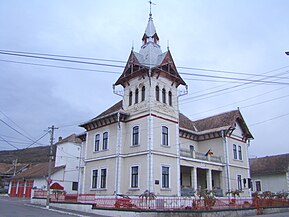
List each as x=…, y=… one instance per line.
x=144, y=143
x=7, y=171
x=270, y=173
x=64, y=170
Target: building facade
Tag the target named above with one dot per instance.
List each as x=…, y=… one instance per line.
x=270, y=173
x=144, y=143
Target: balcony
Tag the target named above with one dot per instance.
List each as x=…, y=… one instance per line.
x=200, y=156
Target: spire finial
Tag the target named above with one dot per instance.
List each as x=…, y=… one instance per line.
x=151, y=3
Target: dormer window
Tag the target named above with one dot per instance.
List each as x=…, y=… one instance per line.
x=164, y=95
x=143, y=92
x=130, y=98
x=136, y=96
x=157, y=93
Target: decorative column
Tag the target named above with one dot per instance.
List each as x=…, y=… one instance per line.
x=209, y=180
x=194, y=178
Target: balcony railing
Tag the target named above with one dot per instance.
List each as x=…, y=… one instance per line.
x=200, y=156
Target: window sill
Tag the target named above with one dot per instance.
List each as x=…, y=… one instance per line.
x=98, y=189
x=134, y=189
x=133, y=146
x=166, y=189
x=166, y=146
x=101, y=151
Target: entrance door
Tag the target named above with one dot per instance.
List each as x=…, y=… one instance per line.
x=20, y=191
x=13, y=189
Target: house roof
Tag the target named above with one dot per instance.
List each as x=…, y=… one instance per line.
x=269, y=165
x=9, y=169
x=4, y=168
x=225, y=120
x=38, y=171
x=72, y=138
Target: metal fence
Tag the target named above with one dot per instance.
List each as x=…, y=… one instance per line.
x=165, y=203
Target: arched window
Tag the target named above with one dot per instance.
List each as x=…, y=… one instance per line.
x=135, y=135
x=143, y=93
x=105, y=141
x=96, y=142
x=165, y=136
x=170, y=98
x=130, y=98
x=157, y=93
x=164, y=95
x=136, y=96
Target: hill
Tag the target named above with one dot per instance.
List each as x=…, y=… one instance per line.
x=29, y=155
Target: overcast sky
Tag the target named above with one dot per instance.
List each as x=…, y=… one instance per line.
x=246, y=39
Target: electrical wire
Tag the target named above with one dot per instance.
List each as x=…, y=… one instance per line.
x=9, y=143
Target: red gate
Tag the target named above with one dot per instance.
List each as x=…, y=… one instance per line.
x=13, y=189
x=28, y=189
x=20, y=190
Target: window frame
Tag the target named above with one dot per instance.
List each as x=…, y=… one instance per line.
x=134, y=177
x=74, y=186
x=235, y=156
x=259, y=185
x=94, y=179
x=164, y=95
x=239, y=182
x=135, y=134
x=143, y=93
x=170, y=100
x=157, y=93
x=105, y=140
x=165, y=177
x=240, y=152
x=136, y=96
x=164, y=136
x=103, y=178
x=97, y=148
x=130, y=98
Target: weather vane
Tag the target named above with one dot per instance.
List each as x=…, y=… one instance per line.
x=151, y=3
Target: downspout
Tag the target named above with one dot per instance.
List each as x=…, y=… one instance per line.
x=117, y=175
x=178, y=144
x=226, y=154
x=150, y=164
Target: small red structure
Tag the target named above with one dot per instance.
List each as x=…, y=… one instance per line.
x=56, y=186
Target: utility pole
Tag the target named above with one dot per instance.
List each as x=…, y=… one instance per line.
x=51, y=130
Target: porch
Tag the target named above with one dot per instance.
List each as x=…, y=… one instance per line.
x=194, y=178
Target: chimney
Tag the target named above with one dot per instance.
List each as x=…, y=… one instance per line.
x=59, y=138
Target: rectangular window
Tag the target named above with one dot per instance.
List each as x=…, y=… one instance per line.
x=239, y=180
x=134, y=177
x=235, y=151
x=105, y=141
x=165, y=177
x=240, y=152
x=74, y=186
x=103, y=178
x=165, y=136
x=258, y=186
x=96, y=142
x=135, y=136
x=94, y=179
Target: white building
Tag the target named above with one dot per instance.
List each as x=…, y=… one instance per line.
x=64, y=170
x=270, y=173
x=144, y=143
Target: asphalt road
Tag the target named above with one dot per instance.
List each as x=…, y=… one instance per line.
x=19, y=207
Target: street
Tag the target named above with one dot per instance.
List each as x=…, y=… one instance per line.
x=20, y=207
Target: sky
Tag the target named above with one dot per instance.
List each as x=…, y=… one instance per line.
x=226, y=46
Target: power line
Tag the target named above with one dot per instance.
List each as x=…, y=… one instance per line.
x=9, y=143
x=16, y=130
x=62, y=60
x=61, y=67
x=42, y=56
x=261, y=122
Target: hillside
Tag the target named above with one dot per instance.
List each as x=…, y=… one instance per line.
x=29, y=155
